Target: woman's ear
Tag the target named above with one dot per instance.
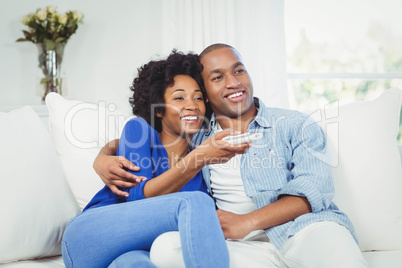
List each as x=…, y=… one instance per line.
x=159, y=114
x=206, y=100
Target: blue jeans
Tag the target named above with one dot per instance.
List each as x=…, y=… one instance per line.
x=98, y=236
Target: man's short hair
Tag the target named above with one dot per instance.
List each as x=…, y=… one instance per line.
x=213, y=47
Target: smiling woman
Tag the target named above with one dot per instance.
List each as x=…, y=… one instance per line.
x=153, y=78
x=169, y=95
x=184, y=109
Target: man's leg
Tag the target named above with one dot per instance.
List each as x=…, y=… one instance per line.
x=166, y=252
x=323, y=245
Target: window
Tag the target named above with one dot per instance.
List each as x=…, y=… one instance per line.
x=342, y=50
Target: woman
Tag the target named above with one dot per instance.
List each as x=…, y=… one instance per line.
x=168, y=95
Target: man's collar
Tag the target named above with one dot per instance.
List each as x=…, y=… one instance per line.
x=261, y=118
x=262, y=115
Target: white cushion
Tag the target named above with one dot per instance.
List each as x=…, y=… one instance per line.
x=383, y=259
x=367, y=168
x=50, y=262
x=79, y=130
x=36, y=201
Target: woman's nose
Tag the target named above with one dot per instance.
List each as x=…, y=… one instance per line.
x=191, y=105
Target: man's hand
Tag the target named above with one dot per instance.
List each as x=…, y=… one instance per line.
x=110, y=169
x=234, y=226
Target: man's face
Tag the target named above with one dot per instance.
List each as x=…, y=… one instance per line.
x=228, y=85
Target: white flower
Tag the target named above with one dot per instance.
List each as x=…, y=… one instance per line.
x=51, y=9
x=77, y=15
x=62, y=18
x=27, y=18
x=41, y=15
x=47, y=24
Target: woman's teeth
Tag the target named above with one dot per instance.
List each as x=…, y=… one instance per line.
x=189, y=118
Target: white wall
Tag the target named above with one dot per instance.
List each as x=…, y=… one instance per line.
x=100, y=59
x=117, y=37
x=254, y=27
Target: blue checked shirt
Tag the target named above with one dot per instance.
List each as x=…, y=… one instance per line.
x=290, y=159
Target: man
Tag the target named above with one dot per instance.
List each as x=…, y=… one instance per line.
x=276, y=199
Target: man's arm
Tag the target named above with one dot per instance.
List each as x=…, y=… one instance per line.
x=286, y=209
x=310, y=190
x=110, y=169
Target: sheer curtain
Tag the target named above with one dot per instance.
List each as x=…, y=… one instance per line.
x=255, y=28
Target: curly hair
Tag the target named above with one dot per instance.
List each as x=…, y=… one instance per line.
x=154, y=77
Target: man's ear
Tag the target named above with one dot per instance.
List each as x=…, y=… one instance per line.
x=159, y=114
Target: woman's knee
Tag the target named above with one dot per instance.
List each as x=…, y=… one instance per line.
x=200, y=199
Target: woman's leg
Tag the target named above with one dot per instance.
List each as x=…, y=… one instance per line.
x=98, y=236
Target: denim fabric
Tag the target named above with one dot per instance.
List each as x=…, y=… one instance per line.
x=98, y=236
x=141, y=258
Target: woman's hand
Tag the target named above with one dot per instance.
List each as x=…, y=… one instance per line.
x=216, y=151
x=111, y=169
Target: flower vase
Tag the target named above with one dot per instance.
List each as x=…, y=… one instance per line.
x=50, y=58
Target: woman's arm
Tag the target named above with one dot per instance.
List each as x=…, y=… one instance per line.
x=110, y=167
x=211, y=151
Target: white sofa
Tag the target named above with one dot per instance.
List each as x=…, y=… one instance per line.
x=46, y=179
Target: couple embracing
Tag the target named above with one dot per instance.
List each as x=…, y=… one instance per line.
x=178, y=195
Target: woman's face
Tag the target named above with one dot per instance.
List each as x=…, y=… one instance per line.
x=184, y=107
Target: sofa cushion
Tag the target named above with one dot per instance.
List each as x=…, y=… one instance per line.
x=383, y=259
x=367, y=167
x=36, y=201
x=49, y=262
x=79, y=130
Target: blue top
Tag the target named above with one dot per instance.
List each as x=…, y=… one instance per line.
x=291, y=159
x=140, y=144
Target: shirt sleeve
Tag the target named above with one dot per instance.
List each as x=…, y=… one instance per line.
x=135, y=145
x=310, y=166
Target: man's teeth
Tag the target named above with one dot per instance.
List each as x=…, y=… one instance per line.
x=189, y=118
x=235, y=95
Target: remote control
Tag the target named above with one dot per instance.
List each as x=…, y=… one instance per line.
x=243, y=138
